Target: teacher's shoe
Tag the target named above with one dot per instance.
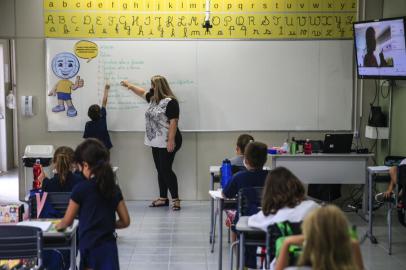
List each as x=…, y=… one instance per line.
x=175, y=204
x=160, y=202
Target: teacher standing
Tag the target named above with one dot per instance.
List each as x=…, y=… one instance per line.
x=162, y=135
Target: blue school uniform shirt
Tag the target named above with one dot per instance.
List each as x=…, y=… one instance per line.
x=98, y=129
x=243, y=179
x=54, y=185
x=97, y=215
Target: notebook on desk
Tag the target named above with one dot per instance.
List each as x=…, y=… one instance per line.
x=337, y=143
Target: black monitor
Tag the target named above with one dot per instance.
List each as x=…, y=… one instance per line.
x=380, y=48
x=337, y=143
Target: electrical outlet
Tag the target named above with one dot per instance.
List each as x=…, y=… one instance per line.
x=356, y=134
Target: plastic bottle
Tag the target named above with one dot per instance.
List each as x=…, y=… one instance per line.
x=307, y=147
x=36, y=171
x=293, y=146
x=226, y=173
x=285, y=147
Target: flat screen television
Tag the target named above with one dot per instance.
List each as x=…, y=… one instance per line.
x=380, y=48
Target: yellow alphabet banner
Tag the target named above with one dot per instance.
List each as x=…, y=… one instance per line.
x=170, y=19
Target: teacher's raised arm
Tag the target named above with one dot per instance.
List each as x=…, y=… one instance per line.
x=162, y=135
x=139, y=91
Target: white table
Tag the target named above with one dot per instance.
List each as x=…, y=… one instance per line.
x=325, y=168
x=69, y=234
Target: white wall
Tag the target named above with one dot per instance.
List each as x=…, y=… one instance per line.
x=137, y=173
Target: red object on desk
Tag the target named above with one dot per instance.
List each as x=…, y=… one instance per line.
x=307, y=149
x=36, y=171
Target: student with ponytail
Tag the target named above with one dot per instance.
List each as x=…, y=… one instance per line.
x=96, y=200
x=64, y=179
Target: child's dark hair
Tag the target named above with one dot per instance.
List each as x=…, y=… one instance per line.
x=94, y=112
x=256, y=154
x=243, y=140
x=62, y=162
x=95, y=154
x=282, y=189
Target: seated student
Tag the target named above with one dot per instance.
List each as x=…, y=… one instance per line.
x=242, y=142
x=255, y=156
x=96, y=200
x=327, y=244
x=283, y=200
x=64, y=179
x=393, y=173
x=97, y=128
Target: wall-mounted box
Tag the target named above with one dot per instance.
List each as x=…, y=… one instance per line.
x=376, y=132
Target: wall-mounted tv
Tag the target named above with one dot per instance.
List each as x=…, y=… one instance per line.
x=380, y=48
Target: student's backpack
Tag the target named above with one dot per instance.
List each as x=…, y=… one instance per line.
x=277, y=233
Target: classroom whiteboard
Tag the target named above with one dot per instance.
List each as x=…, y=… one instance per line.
x=220, y=85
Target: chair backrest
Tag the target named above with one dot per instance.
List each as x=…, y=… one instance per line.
x=58, y=201
x=278, y=230
x=20, y=242
x=249, y=201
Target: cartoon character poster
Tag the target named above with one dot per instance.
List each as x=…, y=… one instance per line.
x=71, y=84
x=65, y=66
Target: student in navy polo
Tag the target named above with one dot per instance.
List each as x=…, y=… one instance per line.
x=96, y=200
x=255, y=156
x=97, y=128
x=64, y=179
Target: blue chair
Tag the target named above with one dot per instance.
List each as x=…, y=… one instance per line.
x=21, y=242
x=58, y=200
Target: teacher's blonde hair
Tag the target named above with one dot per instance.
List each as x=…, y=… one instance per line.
x=161, y=88
x=327, y=240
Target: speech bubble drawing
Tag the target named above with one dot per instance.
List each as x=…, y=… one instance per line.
x=86, y=50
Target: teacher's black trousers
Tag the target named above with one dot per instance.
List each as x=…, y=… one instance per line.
x=167, y=179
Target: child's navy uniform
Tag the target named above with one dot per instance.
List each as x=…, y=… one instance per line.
x=244, y=179
x=97, y=223
x=54, y=185
x=98, y=129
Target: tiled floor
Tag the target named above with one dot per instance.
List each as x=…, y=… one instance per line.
x=160, y=238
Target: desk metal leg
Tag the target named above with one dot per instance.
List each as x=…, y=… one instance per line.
x=73, y=251
x=220, y=241
x=369, y=233
x=242, y=247
x=211, y=209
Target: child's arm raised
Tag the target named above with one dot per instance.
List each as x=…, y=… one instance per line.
x=123, y=216
x=105, y=95
x=139, y=91
x=71, y=213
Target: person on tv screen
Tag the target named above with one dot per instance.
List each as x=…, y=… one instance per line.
x=369, y=58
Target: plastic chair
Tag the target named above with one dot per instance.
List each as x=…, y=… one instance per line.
x=58, y=200
x=249, y=203
x=21, y=242
x=273, y=233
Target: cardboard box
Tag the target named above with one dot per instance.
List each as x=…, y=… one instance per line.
x=11, y=213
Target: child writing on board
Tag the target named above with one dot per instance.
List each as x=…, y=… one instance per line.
x=97, y=127
x=64, y=179
x=96, y=200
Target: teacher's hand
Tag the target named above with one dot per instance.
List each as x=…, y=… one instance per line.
x=125, y=83
x=170, y=146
